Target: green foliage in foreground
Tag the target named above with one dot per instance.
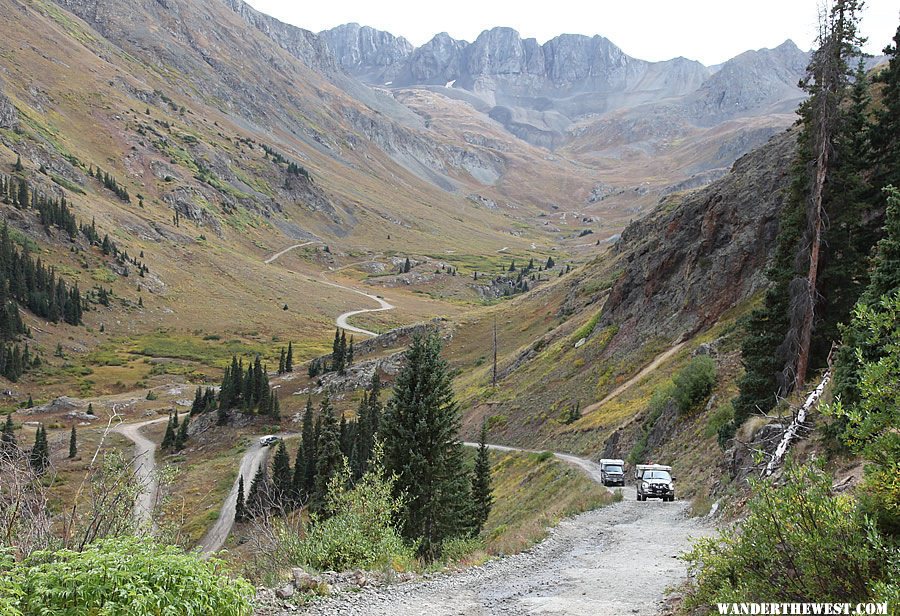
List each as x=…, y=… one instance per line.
x=799, y=543
x=358, y=533
x=123, y=576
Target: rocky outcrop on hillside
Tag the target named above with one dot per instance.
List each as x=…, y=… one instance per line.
x=700, y=254
x=9, y=118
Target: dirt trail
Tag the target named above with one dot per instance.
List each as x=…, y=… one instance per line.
x=616, y=560
x=144, y=467
x=255, y=455
x=275, y=257
x=341, y=320
x=653, y=365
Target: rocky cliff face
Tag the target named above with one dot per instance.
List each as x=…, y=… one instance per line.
x=372, y=55
x=9, y=118
x=700, y=253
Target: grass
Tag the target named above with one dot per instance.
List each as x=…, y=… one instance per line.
x=533, y=492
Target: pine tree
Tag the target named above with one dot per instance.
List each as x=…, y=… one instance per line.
x=240, y=507
x=407, y=266
x=168, y=441
x=258, y=497
x=90, y=409
x=328, y=454
x=342, y=368
x=309, y=449
x=885, y=145
x=18, y=167
x=282, y=478
x=8, y=437
x=350, y=352
x=337, y=353
x=182, y=436
x=281, y=362
x=40, y=452
x=550, y=263
x=73, y=444
x=298, y=481
x=289, y=359
x=197, y=406
x=420, y=432
x=482, y=494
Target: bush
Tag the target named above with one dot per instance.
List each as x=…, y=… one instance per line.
x=722, y=416
x=694, y=383
x=359, y=534
x=120, y=576
x=798, y=544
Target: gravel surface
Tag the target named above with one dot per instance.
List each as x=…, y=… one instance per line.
x=144, y=467
x=613, y=561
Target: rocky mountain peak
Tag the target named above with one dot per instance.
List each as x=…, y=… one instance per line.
x=372, y=55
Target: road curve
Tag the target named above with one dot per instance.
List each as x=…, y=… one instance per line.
x=255, y=455
x=144, y=467
x=589, y=467
x=341, y=321
x=275, y=257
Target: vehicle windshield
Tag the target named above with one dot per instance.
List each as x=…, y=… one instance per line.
x=659, y=475
x=614, y=468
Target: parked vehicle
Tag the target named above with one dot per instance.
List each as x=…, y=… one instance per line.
x=612, y=472
x=269, y=439
x=654, y=481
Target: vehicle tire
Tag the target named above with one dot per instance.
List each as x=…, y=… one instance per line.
x=640, y=498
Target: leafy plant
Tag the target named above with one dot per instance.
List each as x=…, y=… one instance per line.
x=798, y=543
x=121, y=576
x=694, y=382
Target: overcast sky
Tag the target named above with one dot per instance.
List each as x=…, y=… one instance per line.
x=710, y=31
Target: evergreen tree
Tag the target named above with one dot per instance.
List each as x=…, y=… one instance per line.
x=407, y=266
x=350, y=352
x=259, y=495
x=550, y=263
x=40, y=452
x=328, y=454
x=182, y=436
x=342, y=368
x=73, y=443
x=289, y=358
x=197, y=406
x=282, y=478
x=18, y=167
x=8, y=437
x=168, y=442
x=420, y=432
x=281, y=361
x=885, y=145
x=309, y=449
x=298, y=481
x=337, y=353
x=240, y=507
x=482, y=494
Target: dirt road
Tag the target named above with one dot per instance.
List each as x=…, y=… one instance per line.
x=275, y=257
x=608, y=562
x=255, y=455
x=144, y=467
x=341, y=321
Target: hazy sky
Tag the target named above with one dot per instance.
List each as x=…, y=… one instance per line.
x=707, y=30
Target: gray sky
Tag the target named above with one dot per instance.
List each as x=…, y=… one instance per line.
x=707, y=30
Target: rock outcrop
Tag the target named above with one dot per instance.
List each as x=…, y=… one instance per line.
x=9, y=117
x=700, y=253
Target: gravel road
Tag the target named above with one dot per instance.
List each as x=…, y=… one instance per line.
x=613, y=561
x=144, y=465
x=255, y=455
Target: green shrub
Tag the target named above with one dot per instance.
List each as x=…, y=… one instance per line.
x=722, y=416
x=359, y=532
x=798, y=544
x=120, y=576
x=458, y=548
x=694, y=382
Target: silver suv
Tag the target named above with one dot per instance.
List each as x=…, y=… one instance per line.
x=654, y=481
